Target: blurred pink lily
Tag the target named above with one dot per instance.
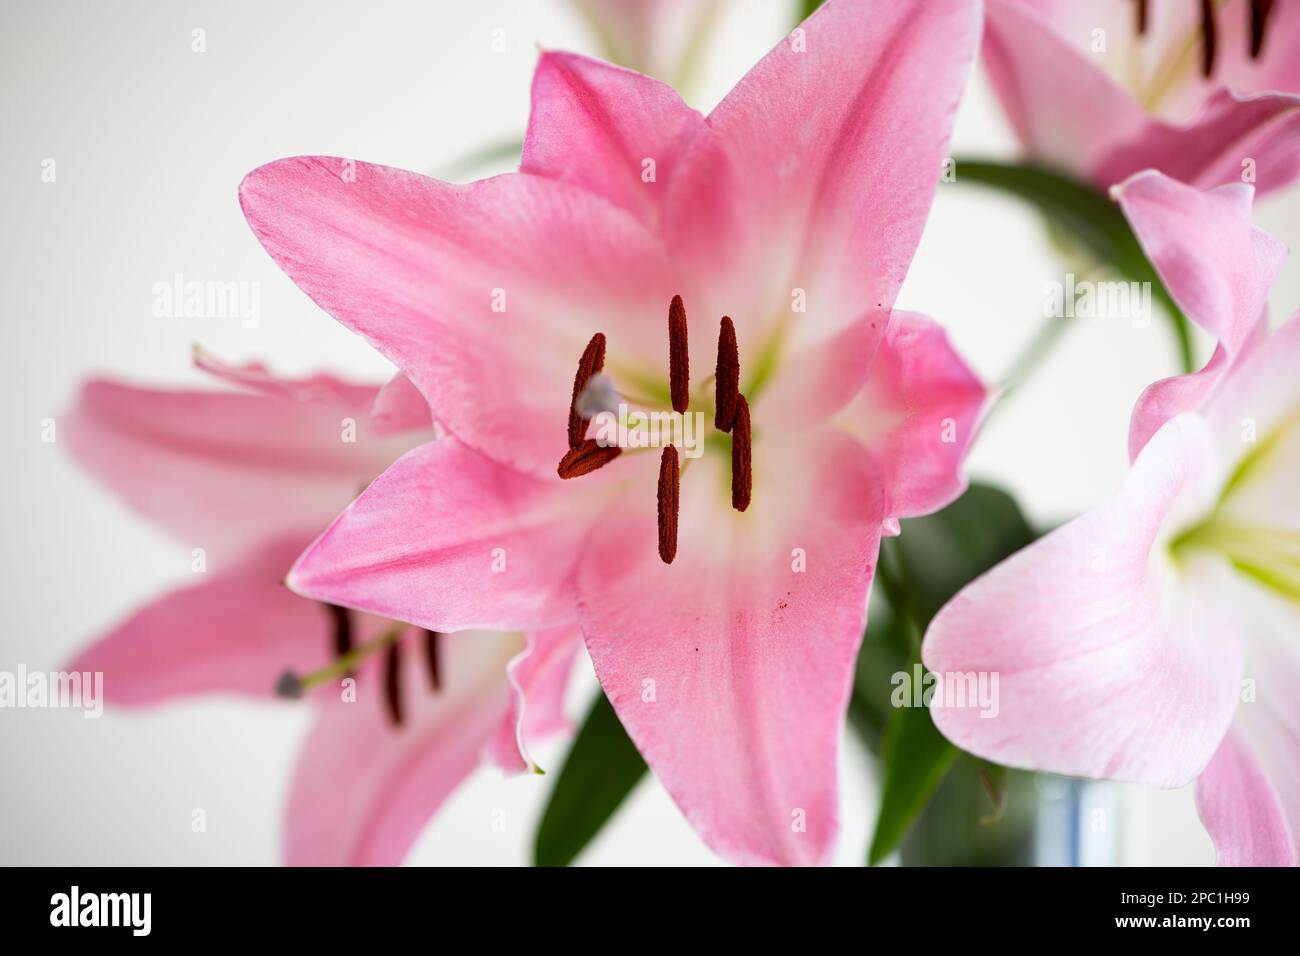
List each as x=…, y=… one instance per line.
x=794, y=208
x=660, y=38
x=1205, y=92
x=1153, y=638
x=250, y=476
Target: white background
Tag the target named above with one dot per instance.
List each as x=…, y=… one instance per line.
x=150, y=141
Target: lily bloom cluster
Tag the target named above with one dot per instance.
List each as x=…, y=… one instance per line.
x=442, y=571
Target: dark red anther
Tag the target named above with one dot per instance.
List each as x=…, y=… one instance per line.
x=1210, y=41
x=1142, y=16
x=431, y=656
x=1259, y=11
x=727, y=379
x=592, y=361
x=679, y=362
x=670, y=485
x=393, y=682
x=742, y=473
x=342, y=619
x=586, y=458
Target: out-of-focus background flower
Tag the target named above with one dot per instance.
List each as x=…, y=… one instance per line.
x=149, y=138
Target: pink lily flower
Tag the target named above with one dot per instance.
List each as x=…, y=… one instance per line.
x=1205, y=92
x=1153, y=638
x=250, y=476
x=722, y=603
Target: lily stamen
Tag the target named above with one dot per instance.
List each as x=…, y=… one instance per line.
x=742, y=471
x=393, y=682
x=594, y=393
x=1259, y=11
x=585, y=458
x=592, y=361
x=294, y=685
x=1208, y=31
x=727, y=377
x=679, y=364
x=431, y=654
x=669, y=503
x=342, y=618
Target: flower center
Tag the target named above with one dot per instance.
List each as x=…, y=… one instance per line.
x=592, y=391
x=1182, y=55
x=347, y=657
x=1270, y=556
x=1268, y=553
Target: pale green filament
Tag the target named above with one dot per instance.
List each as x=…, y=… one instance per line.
x=1269, y=555
x=293, y=685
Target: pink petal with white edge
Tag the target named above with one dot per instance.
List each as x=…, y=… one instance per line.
x=450, y=540
x=1217, y=266
x=1063, y=105
x=364, y=788
x=484, y=294
x=918, y=414
x=595, y=125
x=817, y=170
x=539, y=677
x=235, y=632
x=227, y=472
x=1106, y=667
x=1249, y=797
x=731, y=667
x=1239, y=808
x=1255, y=419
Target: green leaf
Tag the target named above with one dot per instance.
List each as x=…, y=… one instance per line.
x=918, y=573
x=804, y=9
x=916, y=757
x=1086, y=216
x=601, y=769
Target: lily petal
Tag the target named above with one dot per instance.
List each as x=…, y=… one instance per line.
x=731, y=668
x=450, y=540
x=595, y=125
x=1255, y=420
x=817, y=170
x=484, y=294
x=918, y=414
x=1216, y=265
x=1249, y=796
x=399, y=407
x=1063, y=105
x=256, y=377
x=226, y=472
x=1230, y=130
x=539, y=677
x=1057, y=67
x=364, y=788
x=236, y=632
x=1239, y=807
x=1092, y=644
